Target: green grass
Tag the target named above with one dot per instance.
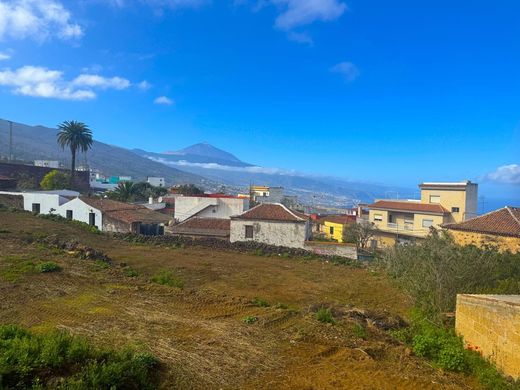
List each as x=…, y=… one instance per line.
x=167, y=278
x=29, y=360
x=360, y=331
x=260, y=302
x=249, y=320
x=12, y=268
x=325, y=315
x=130, y=272
x=48, y=266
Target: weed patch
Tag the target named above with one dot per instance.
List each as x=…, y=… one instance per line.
x=167, y=278
x=260, y=302
x=359, y=331
x=130, y=272
x=325, y=315
x=48, y=266
x=249, y=320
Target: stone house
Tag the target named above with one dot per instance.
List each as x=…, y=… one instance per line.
x=499, y=228
x=197, y=227
x=273, y=224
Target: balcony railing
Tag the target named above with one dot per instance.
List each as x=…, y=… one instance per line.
x=406, y=226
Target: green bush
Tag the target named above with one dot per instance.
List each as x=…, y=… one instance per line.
x=260, y=302
x=359, y=331
x=28, y=360
x=48, y=266
x=167, y=278
x=130, y=272
x=325, y=315
x=249, y=320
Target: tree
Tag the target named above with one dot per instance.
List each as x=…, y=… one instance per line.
x=26, y=182
x=359, y=233
x=76, y=136
x=189, y=189
x=124, y=192
x=55, y=180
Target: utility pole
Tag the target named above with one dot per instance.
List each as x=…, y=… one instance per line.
x=10, y=141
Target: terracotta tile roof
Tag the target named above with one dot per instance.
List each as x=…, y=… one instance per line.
x=272, y=212
x=125, y=212
x=203, y=227
x=341, y=219
x=501, y=222
x=408, y=206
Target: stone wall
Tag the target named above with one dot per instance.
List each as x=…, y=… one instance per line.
x=503, y=243
x=286, y=234
x=332, y=249
x=19, y=170
x=490, y=324
x=12, y=201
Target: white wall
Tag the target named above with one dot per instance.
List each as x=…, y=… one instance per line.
x=48, y=202
x=156, y=181
x=80, y=212
x=288, y=234
x=188, y=206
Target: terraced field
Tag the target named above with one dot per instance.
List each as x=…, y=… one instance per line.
x=198, y=331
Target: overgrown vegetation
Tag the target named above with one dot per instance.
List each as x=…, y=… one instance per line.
x=260, y=302
x=167, y=278
x=48, y=266
x=59, y=360
x=325, y=315
x=55, y=180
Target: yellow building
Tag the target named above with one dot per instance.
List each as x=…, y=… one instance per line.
x=499, y=229
x=332, y=226
x=401, y=221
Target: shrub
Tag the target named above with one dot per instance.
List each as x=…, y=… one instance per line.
x=48, y=266
x=249, y=320
x=167, y=278
x=260, y=302
x=325, y=315
x=359, y=331
x=55, y=180
x=29, y=360
x=130, y=272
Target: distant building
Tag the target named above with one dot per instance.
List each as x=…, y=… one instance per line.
x=47, y=163
x=499, y=228
x=401, y=221
x=208, y=206
x=332, y=226
x=273, y=224
x=98, y=181
x=265, y=194
x=156, y=181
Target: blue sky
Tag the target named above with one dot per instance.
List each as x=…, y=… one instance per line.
x=390, y=92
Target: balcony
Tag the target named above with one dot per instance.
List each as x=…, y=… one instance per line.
x=403, y=228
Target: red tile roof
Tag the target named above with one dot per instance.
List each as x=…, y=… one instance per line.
x=341, y=219
x=408, y=206
x=196, y=226
x=126, y=212
x=501, y=222
x=272, y=212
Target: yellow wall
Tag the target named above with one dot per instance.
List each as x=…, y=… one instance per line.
x=399, y=218
x=338, y=230
x=490, y=324
x=464, y=198
x=481, y=240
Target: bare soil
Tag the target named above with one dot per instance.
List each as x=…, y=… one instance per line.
x=198, y=331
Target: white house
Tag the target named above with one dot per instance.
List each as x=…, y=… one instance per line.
x=156, y=181
x=209, y=206
x=273, y=224
x=44, y=202
x=47, y=163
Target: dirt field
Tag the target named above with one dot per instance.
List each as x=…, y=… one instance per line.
x=198, y=331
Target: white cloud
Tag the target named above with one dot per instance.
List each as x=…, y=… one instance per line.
x=347, y=70
x=93, y=80
x=4, y=56
x=506, y=174
x=298, y=13
x=144, y=85
x=37, y=19
x=172, y=4
x=164, y=100
x=300, y=37
x=41, y=82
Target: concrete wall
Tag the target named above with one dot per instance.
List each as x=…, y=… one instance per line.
x=465, y=198
x=80, y=212
x=188, y=206
x=482, y=240
x=49, y=203
x=332, y=249
x=288, y=234
x=491, y=325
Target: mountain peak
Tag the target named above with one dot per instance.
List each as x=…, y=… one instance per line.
x=205, y=149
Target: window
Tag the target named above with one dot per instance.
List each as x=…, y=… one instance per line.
x=69, y=214
x=36, y=208
x=455, y=209
x=435, y=199
x=91, y=219
x=390, y=218
x=331, y=230
x=378, y=217
x=249, y=231
x=426, y=223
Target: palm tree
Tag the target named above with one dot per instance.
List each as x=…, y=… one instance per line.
x=77, y=136
x=124, y=191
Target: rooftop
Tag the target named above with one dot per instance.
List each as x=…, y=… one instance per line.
x=410, y=206
x=203, y=227
x=272, y=212
x=502, y=222
x=341, y=219
x=125, y=212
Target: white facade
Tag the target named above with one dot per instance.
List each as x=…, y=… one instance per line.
x=80, y=211
x=44, y=202
x=208, y=207
x=47, y=163
x=279, y=233
x=156, y=181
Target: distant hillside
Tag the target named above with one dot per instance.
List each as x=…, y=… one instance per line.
x=39, y=142
x=201, y=153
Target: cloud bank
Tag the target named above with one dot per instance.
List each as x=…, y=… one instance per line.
x=506, y=174
x=36, y=19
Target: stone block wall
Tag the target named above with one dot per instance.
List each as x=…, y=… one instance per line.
x=490, y=324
